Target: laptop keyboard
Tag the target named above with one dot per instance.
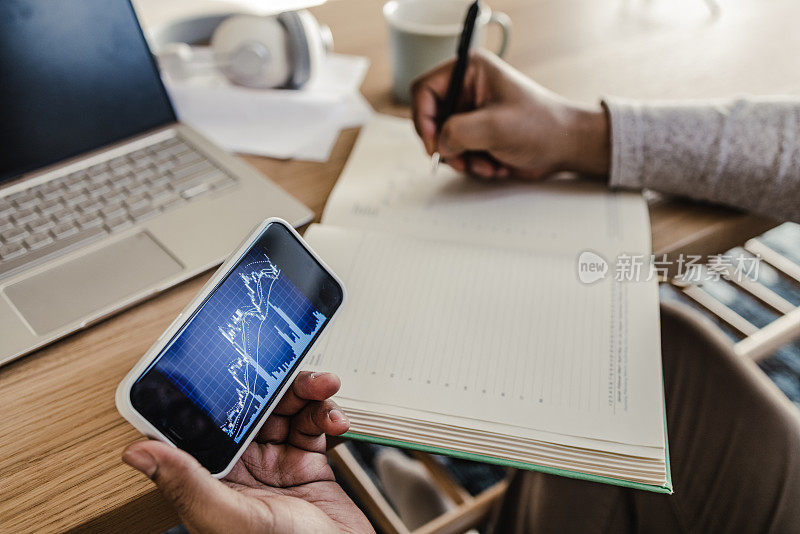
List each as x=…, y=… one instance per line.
x=73, y=210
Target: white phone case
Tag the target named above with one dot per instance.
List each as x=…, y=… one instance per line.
x=122, y=396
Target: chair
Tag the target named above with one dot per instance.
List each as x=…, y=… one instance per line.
x=469, y=511
x=758, y=342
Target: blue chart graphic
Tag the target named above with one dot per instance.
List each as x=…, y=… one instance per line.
x=248, y=331
x=234, y=354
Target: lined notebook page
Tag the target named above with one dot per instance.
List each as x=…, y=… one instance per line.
x=495, y=334
x=387, y=185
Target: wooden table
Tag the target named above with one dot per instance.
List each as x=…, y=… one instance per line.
x=60, y=434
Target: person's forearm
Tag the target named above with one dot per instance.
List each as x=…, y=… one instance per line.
x=743, y=153
x=589, y=148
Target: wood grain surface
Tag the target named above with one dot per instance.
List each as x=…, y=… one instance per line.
x=60, y=434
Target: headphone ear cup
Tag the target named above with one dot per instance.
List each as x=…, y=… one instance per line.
x=253, y=51
x=306, y=45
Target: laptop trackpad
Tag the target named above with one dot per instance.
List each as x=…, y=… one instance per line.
x=81, y=287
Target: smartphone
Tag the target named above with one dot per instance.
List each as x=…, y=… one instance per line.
x=212, y=379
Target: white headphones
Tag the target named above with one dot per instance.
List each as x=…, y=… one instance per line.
x=280, y=51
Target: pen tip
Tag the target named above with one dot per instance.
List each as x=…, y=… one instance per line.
x=435, y=162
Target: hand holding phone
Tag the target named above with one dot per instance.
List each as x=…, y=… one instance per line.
x=212, y=379
x=282, y=481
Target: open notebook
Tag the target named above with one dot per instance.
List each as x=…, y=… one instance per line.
x=468, y=332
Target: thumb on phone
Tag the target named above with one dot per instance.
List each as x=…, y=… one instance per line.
x=204, y=503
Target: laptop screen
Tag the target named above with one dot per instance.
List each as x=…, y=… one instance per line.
x=75, y=75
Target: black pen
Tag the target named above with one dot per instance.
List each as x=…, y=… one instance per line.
x=457, y=76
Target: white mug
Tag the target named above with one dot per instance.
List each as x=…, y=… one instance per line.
x=425, y=33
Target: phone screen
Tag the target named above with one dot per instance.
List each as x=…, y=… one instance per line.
x=212, y=382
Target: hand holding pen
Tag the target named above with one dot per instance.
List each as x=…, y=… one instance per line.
x=506, y=125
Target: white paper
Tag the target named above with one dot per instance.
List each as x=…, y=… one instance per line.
x=277, y=123
x=353, y=112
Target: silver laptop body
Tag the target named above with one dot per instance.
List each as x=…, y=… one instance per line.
x=85, y=238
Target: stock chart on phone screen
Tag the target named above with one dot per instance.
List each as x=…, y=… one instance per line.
x=239, y=347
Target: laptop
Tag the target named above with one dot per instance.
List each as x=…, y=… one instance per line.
x=105, y=198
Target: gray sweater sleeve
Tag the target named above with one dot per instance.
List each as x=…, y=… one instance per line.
x=743, y=153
